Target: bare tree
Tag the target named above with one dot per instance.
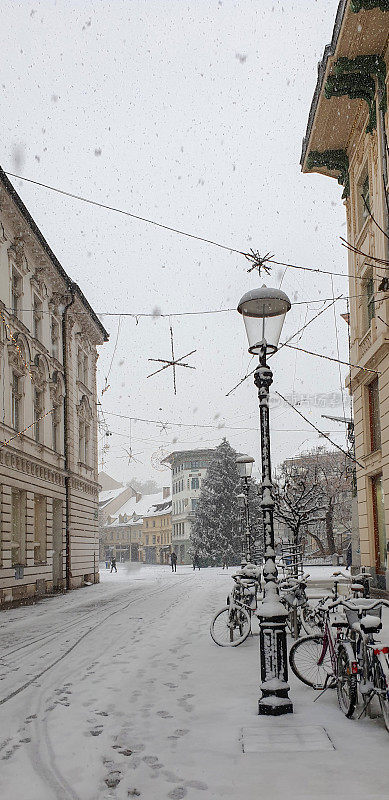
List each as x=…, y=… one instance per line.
x=298, y=502
x=313, y=496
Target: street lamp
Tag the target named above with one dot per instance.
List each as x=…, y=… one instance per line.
x=264, y=311
x=245, y=467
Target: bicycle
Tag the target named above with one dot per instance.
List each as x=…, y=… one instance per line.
x=312, y=617
x=232, y=624
x=327, y=660
x=372, y=656
x=294, y=598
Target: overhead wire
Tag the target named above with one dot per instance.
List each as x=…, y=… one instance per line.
x=251, y=256
x=345, y=453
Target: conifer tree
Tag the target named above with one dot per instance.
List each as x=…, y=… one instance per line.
x=216, y=530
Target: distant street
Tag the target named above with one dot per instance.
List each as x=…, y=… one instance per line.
x=117, y=691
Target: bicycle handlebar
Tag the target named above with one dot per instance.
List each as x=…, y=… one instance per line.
x=353, y=606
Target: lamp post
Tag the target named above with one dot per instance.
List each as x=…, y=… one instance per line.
x=264, y=311
x=245, y=467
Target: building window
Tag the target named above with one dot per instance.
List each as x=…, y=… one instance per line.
x=369, y=303
x=195, y=483
x=40, y=528
x=37, y=317
x=16, y=401
x=38, y=412
x=374, y=415
x=16, y=291
x=54, y=338
x=363, y=199
x=18, y=527
x=194, y=505
x=81, y=441
x=153, y=523
x=365, y=193
x=82, y=366
x=379, y=524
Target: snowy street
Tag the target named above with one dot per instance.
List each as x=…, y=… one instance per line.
x=117, y=691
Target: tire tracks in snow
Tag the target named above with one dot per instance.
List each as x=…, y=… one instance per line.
x=75, y=644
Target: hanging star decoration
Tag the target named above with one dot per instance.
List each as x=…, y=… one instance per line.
x=258, y=262
x=130, y=455
x=173, y=362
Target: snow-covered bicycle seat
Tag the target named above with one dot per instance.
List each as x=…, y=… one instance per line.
x=370, y=624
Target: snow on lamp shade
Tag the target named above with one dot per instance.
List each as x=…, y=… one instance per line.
x=264, y=311
x=245, y=466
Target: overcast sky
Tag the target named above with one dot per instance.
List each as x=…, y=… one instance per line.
x=190, y=113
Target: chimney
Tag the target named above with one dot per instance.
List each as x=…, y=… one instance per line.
x=166, y=492
x=138, y=497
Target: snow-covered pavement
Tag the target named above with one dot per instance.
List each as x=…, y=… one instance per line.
x=118, y=691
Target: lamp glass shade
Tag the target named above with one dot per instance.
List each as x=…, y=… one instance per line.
x=245, y=466
x=241, y=500
x=264, y=311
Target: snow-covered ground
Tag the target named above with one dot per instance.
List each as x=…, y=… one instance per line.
x=117, y=691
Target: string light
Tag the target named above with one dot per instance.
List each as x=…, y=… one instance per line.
x=20, y=433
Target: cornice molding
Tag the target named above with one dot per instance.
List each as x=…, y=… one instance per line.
x=356, y=86
x=25, y=465
x=334, y=160
x=368, y=5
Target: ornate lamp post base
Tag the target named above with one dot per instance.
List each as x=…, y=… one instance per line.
x=273, y=654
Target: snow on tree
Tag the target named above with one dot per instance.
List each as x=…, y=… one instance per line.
x=313, y=495
x=216, y=529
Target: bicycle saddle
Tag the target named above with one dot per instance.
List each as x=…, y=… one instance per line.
x=370, y=624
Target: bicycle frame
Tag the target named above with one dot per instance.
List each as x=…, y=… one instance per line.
x=332, y=643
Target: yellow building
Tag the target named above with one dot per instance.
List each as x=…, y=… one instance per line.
x=346, y=139
x=157, y=530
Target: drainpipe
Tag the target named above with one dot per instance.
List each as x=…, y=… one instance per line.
x=384, y=153
x=65, y=424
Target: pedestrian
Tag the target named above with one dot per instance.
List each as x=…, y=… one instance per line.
x=349, y=555
x=113, y=564
x=196, y=561
x=173, y=561
x=225, y=564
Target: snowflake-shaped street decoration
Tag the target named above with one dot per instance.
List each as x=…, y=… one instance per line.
x=163, y=426
x=130, y=455
x=173, y=362
x=258, y=262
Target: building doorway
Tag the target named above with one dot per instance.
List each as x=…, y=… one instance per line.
x=379, y=527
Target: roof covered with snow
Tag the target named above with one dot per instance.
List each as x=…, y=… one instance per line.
x=147, y=506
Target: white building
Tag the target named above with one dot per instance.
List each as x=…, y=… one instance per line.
x=189, y=468
x=48, y=423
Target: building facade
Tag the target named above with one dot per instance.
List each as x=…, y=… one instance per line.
x=157, y=530
x=139, y=530
x=346, y=139
x=48, y=423
x=189, y=468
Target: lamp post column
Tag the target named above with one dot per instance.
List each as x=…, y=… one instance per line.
x=246, y=489
x=272, y=614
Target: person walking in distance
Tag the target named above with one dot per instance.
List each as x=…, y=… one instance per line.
x=113, y=564
x=196, y=561
x=173, y=561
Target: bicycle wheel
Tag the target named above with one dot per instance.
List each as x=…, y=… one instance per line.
x=380, y=684
x=230, y=627
x=304, y=657
x=346, y=684
x=311, y=620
